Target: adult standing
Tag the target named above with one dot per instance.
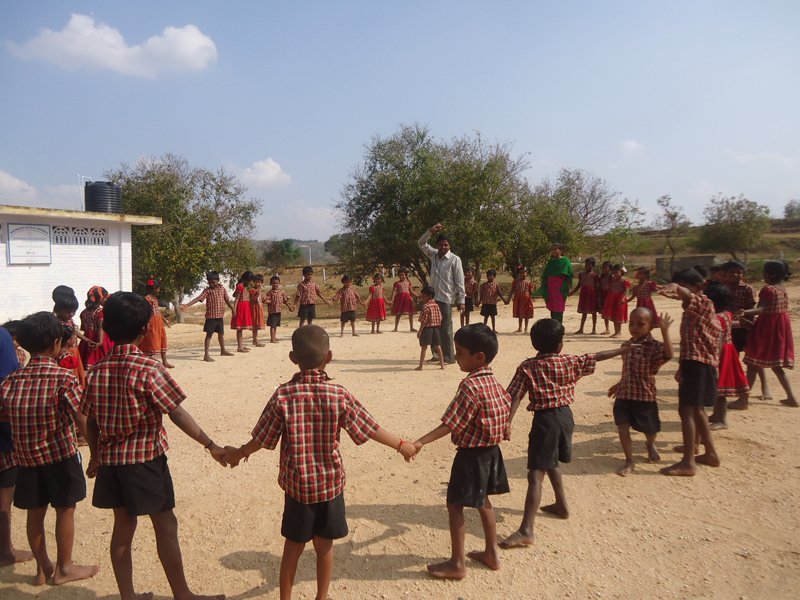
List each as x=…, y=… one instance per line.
x=556, y=283
x=447, y=279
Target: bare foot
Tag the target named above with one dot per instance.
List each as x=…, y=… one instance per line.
x=207, y=358
x=679, y=469
x=259, y=344
x=43, y=573
x=273, y=341
x=790, y=402
x=626, y=469
x=447, y=570
x=243, y=349
x=558, y=510
x=652, y=455
x=74, y=572
x=579, y=332
x=144, y=596
x=517, y=540
x=716, y=426
x=355, y=335
x=710, y=460
x=226, y=353
x=679, y=449
x=16, y=556
x=410, y=330
x=616, y=335
x=169, y=365
x=395, y=329
x=378, y=332
x=419, y=368
x=738, y=405
x=490, y=559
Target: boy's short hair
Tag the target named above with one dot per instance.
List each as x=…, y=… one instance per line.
x=491, y=272
x=212, y=276
x=125, y=316
x=547, y=335
x=274, y=278
x=606, y=263
x=258, y=277
x=700, y=269
x=478, y=338
x=720, y=295
x=442, y=238
x=310, y=346
x=307, y=270
x=428, y=291
x=37, y=332
x=346, y=278
x=734, y=265
x=11, y=327
x=689, y=276
x=591, y=260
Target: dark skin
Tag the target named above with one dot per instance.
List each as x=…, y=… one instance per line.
x=212, y=283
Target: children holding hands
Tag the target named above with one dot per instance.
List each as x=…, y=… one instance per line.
x=216, y=297
x=348, y=299
x=430, y=325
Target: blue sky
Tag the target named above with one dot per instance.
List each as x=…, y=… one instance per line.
x=684, y=98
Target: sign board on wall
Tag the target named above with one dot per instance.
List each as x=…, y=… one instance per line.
x=28, y=244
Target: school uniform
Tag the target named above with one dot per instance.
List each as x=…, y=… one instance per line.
x=770, y=343
x=636, y=403
x=587, y=300
x=644, y=298
x=732, y=380
x=275, y=299
x=256, y=308
x=307, y=292
x=744, y=298
x=470, y=294
x=489, y=294
x=699, y=358
x=403, y=302
x=216, y=298
x=376, y=309
x=348, y=301
x=430, y=323
x=242, y=317
x=522, y=307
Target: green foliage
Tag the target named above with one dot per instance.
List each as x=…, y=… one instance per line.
x=792, y=209
x=622, y=240
x=674, y=223
x=340, y=245
x=588, y=199
x=733, y=224
x=277, y=254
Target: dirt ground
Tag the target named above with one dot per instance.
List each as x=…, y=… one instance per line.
x=731, y=532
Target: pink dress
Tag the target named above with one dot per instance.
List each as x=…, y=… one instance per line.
x=770, y=343
x=644, y=298
x=587, y=301
x=403, y=303
x=614, y=309
x=376, y=309
x=522, y=308
x=732, y=380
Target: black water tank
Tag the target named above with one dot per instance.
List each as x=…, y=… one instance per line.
x=102, y=196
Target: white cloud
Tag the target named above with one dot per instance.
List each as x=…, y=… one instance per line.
x=265, y=174
x=82, y=43
x=790, y=163
x=15, y=191
x=631, y=147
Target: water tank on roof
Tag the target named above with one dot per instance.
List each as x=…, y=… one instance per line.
x=102, y=196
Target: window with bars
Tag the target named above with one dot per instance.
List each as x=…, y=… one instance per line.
x=80, y=236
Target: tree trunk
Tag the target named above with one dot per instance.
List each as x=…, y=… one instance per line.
x=177, y=298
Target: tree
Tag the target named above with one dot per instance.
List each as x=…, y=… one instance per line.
x=588, y=198
x=622, y=239
x=340, y=245
x=674, y=223
x=733, y=224
x=276, y=254
x=792, y=209
x=206, y=222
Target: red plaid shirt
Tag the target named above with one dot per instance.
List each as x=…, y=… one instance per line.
x=744, y=298
x=153, y=303
x=127, y=393
x=41, y=399
x=307, y=415
x=22, y=356
x=522, y=287
x=240, y=293
x=478, y=414
x=773, y=299
x=639, y=369
x=430, y=315
x=307, y=292
x=490, y=291
x=587, y=279
x=275, y=299
x=549, y=379
x=215, y=298
x=700, y=331
x=725, y=321
x=348, y=299
x=91, y=321
x=471, y=289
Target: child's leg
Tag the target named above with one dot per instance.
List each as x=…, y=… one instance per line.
x=411, y=322
x=652, y=454
x=624, y=430
x=221, y=340
x=121, y=561
x=324, y=550
x=526, y=325
x=606, y=324
x=493, y=327
x=255, y=337
x=36, y=539
x=766, y=394
x=743, y=402
x=439, y=355
x=594, y=323
x=66, y=570
x=302, y=322
x=790, y=400
x=165, y=361
x=686, y=466
x=465, y=314
x=533, y=497
x=583, y=322
x=353, y=327
x=206, y=346
x=422, y=351
x=709, y=457
x=718, y=418
x=559, y=507
x=377, y=326
x=486, y=319
x=240, y=347
x=396, y=322
x=273, y=335
x=453, y=568
x=8, y=554
x=341, y=329
x=617, y=329
x=372, y=327
x=291, y=555
x=490, y=555
x=519, y=325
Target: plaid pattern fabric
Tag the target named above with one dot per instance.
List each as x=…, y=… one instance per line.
x=478, y=414
x=773, y=299
x=127, y=393
x=587, y=279
x=402, y=287
x=619, y=286
x=376, y=291
x=22, y=356
x=275, y=299
x=744, y=298
x=700, y=331
x=725, y=322
x=254, y=294
x=91, y=320
x=307, y=292
x=639, y=368
x=40, y=400
x=549, y=379
x=86, y=320
x=215, y=299
x=522, y=287
x=240, y=293
x=644, y=291
x=604, y=282
x=430, y=316
x=471, y=289
x=307, y=415
x=347, y=297
x=153, y=301
x=490, y=292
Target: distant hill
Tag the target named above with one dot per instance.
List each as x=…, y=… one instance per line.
x=318, y=254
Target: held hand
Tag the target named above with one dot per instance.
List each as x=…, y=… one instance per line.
x=232, y=456
x=418, y=447
x=612, y=391
x=666, y=321
x=461, y=308
x=507, y=432
x=407, y=450
x=218, y=454
x=92, y=467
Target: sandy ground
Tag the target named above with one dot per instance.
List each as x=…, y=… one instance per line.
x=731, y=532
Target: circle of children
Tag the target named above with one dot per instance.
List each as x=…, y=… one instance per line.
x=117, y=405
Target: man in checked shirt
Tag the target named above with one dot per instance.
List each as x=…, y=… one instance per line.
x=307, y=415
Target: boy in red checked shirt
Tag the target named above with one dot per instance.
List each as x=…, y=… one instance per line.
x=549, y=378
x=476, y=420
x=41, y=400
x=430, y=328
x=125, y=397
x=348, y=299
x=216, y=297
x=307, y=415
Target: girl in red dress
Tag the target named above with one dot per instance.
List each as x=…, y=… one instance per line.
x=520, y=295
x=587, y=301
x=155, y=340
x=643, y=292
x=769, y=343
x=257, y=307
x=603, y=286
x=376, y=309
x=403, y=297
x=242, y=317
x=615, y=308
x=97, y=295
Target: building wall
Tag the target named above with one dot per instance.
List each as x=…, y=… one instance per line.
x=28, y=288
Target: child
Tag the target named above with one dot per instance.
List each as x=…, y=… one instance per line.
x=470, y=294
x=603, y=287
x=732, y=380
x=403, y=298
x=307, y=415
x=88, y=327
x=770, y=344
x=615, y=308
x=242, y=317
x=348, y=298
x=520, y=294
x=128, y=442
x=41, y=400
x=65, y=305
x=549, y=379
x=476, y=420
x=155, y=340
x=430, y=322
x=717, y=274
x=11, y=328
x=587, y=301
x=68, y=359
x=697, y=373
x=489, y=293
x=216, y=297
x=635, y=404
x=103, y=344
x=275, y=299
x=376, y=309
x=306, y=297
x=256, y=307
x=643, y=292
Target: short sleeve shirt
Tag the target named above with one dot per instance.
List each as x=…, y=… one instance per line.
x=744, y=298
x=549, y=379
x=639, y=369
x=478, y=414
x=275, y=299
x=215, y=299
x=348, y=299
x=430, y=316
x=490, y=291
x=471, y=288
x=308, y=291
x=700, y=331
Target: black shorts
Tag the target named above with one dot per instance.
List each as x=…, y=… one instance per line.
x=214, y=326
x=430, y=336
x=469, y=305
x=142, y=488
x=475, y=474
x=347, y=316
x=307, y=311
x=640, y=415
x=302, y=522
x=698, y=386
x=274, y=320
x=489, y=310
x=59, y=484
x=8, y=478
x=550, y=439
x=739, y=338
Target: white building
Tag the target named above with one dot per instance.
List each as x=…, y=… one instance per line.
x=41, y=248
